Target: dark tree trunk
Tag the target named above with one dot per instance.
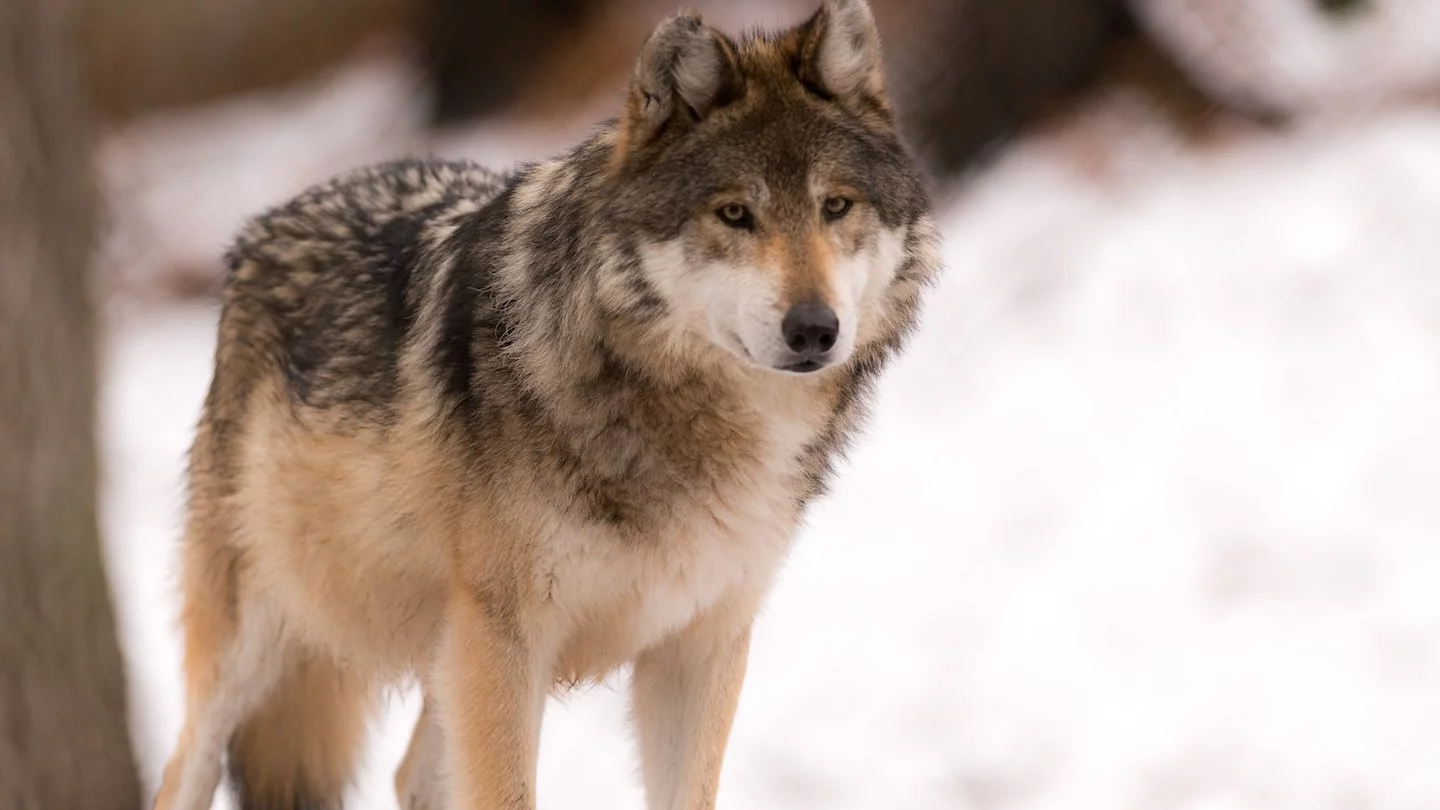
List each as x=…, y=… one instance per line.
x=64, y=738
x=479, y=52
x=972, y=73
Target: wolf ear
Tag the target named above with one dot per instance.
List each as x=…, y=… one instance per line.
x=685, y=70
x=841, y=52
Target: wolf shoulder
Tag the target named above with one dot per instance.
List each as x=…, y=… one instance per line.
x=325, y=288
x=371, y=219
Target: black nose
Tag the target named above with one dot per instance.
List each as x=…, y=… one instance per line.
x=810, y=328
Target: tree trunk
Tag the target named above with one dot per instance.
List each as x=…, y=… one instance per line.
x=64, y=737
x=481, y=52
x=971, y=74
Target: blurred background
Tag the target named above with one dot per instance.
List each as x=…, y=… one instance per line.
x=1148, y=517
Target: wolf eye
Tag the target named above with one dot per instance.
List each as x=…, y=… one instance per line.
x=837, y=207
x=735, y=215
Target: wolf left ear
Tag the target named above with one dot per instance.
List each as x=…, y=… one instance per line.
x=841, y=52
x=685, y=71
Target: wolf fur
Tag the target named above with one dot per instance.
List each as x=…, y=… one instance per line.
x=501, y=432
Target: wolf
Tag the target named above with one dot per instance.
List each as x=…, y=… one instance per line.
x=497, y=433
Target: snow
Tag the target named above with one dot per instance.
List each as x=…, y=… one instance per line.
x=1292, y=56
x=1146, y=519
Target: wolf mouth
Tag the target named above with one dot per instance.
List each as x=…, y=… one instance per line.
x=804, y=366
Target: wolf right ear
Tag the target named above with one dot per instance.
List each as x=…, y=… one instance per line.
x=841, y=51
x=685, y=70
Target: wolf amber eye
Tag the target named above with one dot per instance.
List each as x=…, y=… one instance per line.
x=837, y=207
x=735, y=215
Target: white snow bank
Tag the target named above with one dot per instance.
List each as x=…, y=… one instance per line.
x=1291, y=56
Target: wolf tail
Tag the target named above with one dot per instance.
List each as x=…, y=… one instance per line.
x=298, y=750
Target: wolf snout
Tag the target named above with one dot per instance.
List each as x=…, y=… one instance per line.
x=811, y=330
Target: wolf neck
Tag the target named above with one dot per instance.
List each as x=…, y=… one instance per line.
x=575, y=282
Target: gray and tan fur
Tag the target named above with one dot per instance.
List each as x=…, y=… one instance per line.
x=503, y=432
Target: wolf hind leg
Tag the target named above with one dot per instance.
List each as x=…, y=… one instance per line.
x=231, y=664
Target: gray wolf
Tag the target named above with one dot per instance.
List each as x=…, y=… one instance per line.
x=504, y=432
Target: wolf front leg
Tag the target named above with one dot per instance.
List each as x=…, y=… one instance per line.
x=685, y=692
x=491, y=688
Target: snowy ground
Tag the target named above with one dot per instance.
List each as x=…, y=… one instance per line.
x=1149, y=518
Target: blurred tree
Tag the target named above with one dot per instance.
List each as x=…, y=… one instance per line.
x=479, y=52
x=142, y=55
x=972, y=73
x=64, y=737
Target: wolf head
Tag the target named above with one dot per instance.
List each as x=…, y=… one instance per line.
x=766, y=185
